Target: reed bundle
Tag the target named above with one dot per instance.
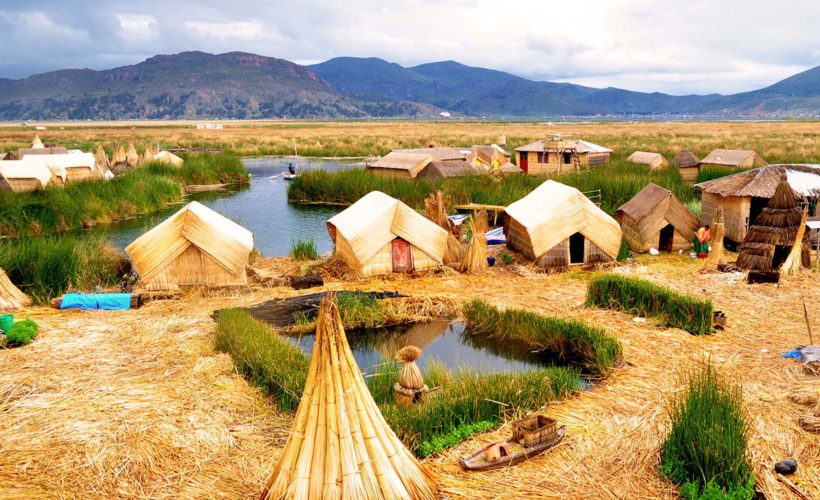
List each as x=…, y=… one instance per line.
x=794, y=262
x=717, y=255
x=148, y=155
x=118, y=156
x=436, y=208
x=340, y=446
x=101, y=158
x=475, y=258
x=131, y=156
x=410, y=386
x=11, y=298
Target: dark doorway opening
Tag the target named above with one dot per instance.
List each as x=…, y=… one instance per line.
x=567, y=158
x=667, y=238
x=780, y=254
x=576, y=249
x=757, y=206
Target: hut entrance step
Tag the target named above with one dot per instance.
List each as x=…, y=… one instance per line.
x=667, y=238
x=576, y=249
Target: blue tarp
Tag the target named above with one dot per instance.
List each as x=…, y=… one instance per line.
x=796, y=353
x=93, y=301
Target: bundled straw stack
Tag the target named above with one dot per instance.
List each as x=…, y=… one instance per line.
x=11, y=298
x=131, y=156
x=794, y=262
x=716, y=255
x=101, y=159
x=118, y=156
x=340, y=445
x=475, y=259
x=411, y=387
x=148, y=155
x=37, y=143
x=436, y=209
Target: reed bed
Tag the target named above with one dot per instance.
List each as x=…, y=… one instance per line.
x=706, y=451
x=303, y=250
x=636, y=296
x=570, y=340
x=49, y=266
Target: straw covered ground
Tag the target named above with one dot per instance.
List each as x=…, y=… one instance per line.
x=138, y=404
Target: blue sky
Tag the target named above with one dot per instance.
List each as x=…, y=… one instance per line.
x=679, y=47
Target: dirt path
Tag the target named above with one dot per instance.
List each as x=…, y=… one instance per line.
x=137, y=404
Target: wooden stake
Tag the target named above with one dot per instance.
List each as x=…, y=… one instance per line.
x=793, y=487
x=806, y=316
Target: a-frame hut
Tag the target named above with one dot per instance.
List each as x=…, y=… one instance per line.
x=772, y=236
x=557, y=226
x=194, y=247
x=655, y=218
x=340, y=445
x=687, y=164
x=379, y=234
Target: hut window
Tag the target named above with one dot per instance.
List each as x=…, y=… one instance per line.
x=567, y=157
x=576, y=249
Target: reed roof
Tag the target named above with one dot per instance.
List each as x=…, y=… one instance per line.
x=553, y=212
x=21, y=153
x=685, y=158
x=658, y=206
x=449, y=169
x=11, y=298
x=509, y=168
x=734, y=158
x=12, y=170
x=647, y=158
x=36, y=143
x=438, y=154
x=762, y=182
x=340, y=445
x=225, y=241
x=377, y=219
x=580, y=146
x=413, y=163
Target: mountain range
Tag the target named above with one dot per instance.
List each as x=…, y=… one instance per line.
x=243, y=86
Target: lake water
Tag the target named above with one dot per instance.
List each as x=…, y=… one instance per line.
x=445, y=341
x=262, y=208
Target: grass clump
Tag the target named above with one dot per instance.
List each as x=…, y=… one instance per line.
x=708, y=173
x=22, y=333
x=641, y=297
x=303, y=250
x=527, y=331
x=270, y=362
x=453, y=437
x=49, y=266
x=362, y=310
x=706, y=450
x=221, y=168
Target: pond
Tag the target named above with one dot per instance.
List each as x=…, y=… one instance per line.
x=262, y=207
x=443, y=341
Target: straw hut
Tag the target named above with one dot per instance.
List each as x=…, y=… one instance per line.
x=402, y=165
x=559, y=154
x=652, y=160
x=70, y=167
x=11, y=298
x=194, y=247
x=379, y=234
x=508, y=169
x=773, y=235
x=118, y=156
x=488, y=158
x=557, y=226
x=735, y=158
x=655, y=218
x=687, y=164
x=743, y=196
x=340, y=446
x=169, y=158
x=445, y=169
x=438, y=154
x=24, y=175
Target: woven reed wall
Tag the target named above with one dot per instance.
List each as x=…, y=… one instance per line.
x=518, y=239
x=193, y=267
x=557, y=256
x=390, y=172
x=21, y=185
x=593, y=254
x=689, y=174
x=735, y=213
x=74, y=174
x=382, y=262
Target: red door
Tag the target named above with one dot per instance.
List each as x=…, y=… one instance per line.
x=402, y=256
x=522, y=161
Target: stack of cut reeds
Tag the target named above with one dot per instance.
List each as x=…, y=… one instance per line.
x=11, y=298
x=410, y=387
x=716, y=255
x=794, y=262
x=131, y=156
x=475, y=259
x=436, y=208
x=340, y=445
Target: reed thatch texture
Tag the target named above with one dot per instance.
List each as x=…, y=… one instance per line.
x=70, y=167
x=475, y=258
x=411, y=387
x=733, y=158
x=717, y=255
x=340, y=446
x=508, y=168
x=194, y=247
x=644, y=216
x=37, y=143
x=118, y=156
x=101, y=158
x=652, y=160
x=11, y=298
x=794, y=262
x=446, y=169
x=131, y=155
x=363, y=234
x=169, y=158
x=685, y=158
x=24, y=175
x=436, y=208
x=775, y=229
x=148, y=155
x=397, y=164
x=552, y=213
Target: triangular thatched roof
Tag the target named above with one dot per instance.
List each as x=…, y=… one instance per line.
x=11, y=298
x=653, y=208
x=776, y=226
x=37, y=143
x=340, y=446
x=685, y=158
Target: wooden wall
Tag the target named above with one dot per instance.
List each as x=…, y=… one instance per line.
x=552, y=163
x=735, y=213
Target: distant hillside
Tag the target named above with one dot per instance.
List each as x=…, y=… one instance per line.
x=241, y=85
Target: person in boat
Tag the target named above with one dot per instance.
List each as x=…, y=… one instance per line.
x=291, y=169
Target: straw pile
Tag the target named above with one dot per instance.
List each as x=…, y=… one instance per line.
x=794, y=262
x=436, y=209
x=716, y=255
x=475, y=259
x=118, y=156
x=811, y=421
x=148, y=155
x=11, y=298
x=411, y=387
x=131, y=155
x=340, y=445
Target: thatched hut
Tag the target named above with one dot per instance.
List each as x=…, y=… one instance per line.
x=446, y=169
x=169, y=158
x=70, y=167
x=687, y=164
x=379, y=234
x=488, y=158
x=743, y=196
x=557, y=226
x=655, y=218
x=652, y=160
x=774, y=233
x=559, y=154
x=340, y=445
x=24, y=175
x=402, y=165
x=11, y=298
x=508, y=169
x=194, y=247
x=736, y=158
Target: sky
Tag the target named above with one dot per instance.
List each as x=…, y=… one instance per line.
x=672, y=46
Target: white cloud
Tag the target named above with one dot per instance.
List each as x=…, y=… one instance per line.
x=137, y=27
x=243, y=30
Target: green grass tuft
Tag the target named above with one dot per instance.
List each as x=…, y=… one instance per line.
x=22, y=333
x=706, y=451
x=303, y=250
x=636, y=296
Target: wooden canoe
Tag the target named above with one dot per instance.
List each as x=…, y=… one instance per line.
x=477, y=462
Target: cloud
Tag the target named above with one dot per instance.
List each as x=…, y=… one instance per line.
x=698, y=46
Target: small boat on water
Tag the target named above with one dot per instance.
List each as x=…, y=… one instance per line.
x=530, y=438
x=289, y=177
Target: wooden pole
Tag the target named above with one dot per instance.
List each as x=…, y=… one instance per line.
x=806, y=316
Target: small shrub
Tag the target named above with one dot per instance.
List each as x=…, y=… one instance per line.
x=636, y=296
x=303, y=250
x=454, y=437
x=506, y=258
x=706, y=449
x=22, y=333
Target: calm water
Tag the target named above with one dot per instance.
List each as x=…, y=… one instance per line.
x=262, y=208
x=444, y=341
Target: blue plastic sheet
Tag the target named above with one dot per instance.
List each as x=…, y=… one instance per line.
x=796, y=353
x=95, y=301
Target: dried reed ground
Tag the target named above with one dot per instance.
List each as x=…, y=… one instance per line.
x=137, y=404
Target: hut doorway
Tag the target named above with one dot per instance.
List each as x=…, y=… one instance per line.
x=576, y=248
x=781, y=252
x=523, y=162
x=757, y=206
x=402, y=256
x=667, y=238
